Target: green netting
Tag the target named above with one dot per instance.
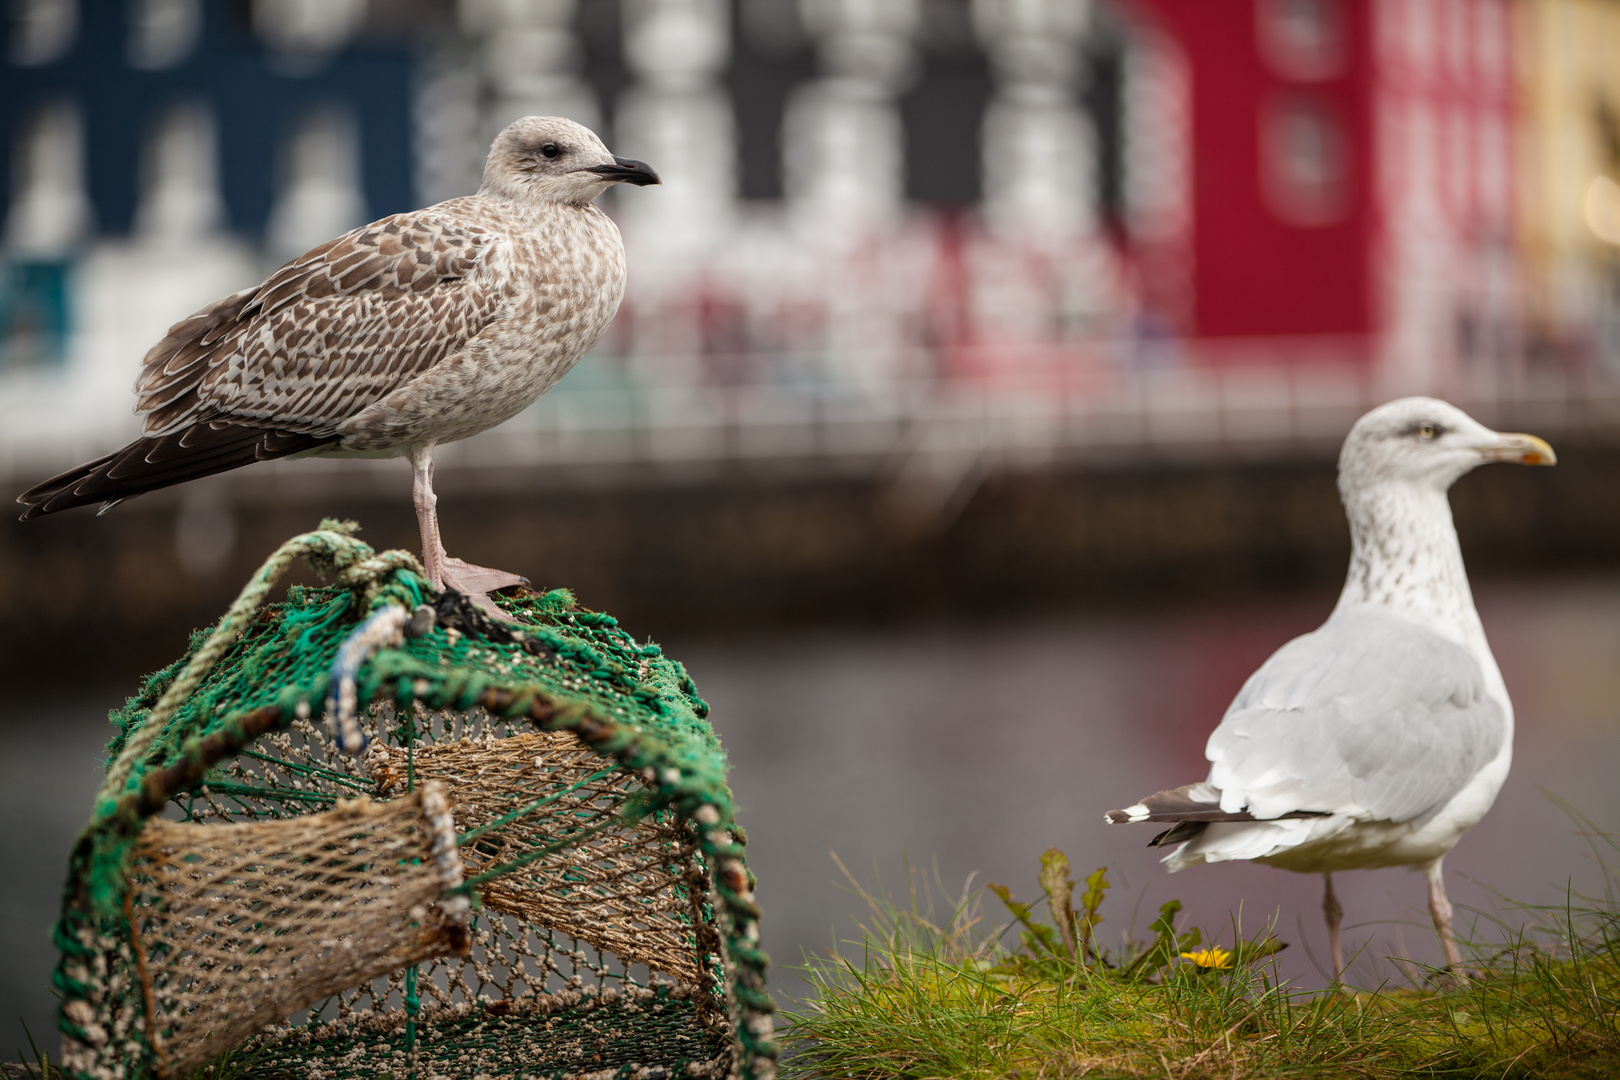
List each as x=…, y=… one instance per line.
x=531, y=869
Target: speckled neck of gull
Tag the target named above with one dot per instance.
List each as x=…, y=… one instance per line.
x=1405, y=558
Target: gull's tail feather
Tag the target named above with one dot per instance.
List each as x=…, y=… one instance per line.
x=163, y=460
x=1190, y=802
x=1192, y=807
x=1180, y=832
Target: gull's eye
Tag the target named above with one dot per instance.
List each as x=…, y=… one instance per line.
x=550, y=150
x=1427, y=432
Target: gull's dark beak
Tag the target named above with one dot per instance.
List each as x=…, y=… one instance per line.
x=626, y=171
x=1520, y=450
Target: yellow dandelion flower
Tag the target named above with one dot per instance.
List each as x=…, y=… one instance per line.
x=1209, y=959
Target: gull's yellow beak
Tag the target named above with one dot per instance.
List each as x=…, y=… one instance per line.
x=1520, y=450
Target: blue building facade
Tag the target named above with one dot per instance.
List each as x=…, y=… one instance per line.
x=119, y=68
x=255, y=96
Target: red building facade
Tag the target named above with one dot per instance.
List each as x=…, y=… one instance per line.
x=1351, y=174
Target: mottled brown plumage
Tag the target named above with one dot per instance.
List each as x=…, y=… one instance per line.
x=415, y=330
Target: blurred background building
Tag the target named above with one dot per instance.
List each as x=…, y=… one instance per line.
x=970, y=230
x=1027, y=329
x=910, y=258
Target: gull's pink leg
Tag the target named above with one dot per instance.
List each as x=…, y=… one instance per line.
x=1440, y=911
x=443, y=570
x=427, y=512
x=1334, y=913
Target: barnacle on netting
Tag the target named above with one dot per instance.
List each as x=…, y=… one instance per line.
x=532, y=869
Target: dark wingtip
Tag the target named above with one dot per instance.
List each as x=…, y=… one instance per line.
x=160, y=461
x=39, y=500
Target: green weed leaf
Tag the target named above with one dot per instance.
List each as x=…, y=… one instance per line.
x=1038, y=937
x=1060, y=896
x=1090, y=901
x=1166, y=944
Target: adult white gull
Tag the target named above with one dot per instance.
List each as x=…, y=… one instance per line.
x=418, y=329
x=1382, y=737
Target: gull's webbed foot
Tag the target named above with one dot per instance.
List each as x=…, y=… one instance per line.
x=477, y=582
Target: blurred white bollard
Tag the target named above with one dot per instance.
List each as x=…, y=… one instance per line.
x=1038, y=149
x=42, y=31
x=304, y=34
x=530, y=61
x=320, y=193
x=163, y=33
x=679, y=118
x=180, y=199
x=50, y=212
x=843, y=146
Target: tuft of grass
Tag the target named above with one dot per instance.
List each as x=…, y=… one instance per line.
x=234, y=1064
x=41, y=1067
x=931, y=991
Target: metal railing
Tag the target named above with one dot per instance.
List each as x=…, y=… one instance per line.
x=610, y=422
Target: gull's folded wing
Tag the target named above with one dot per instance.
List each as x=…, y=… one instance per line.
x=1374, y=716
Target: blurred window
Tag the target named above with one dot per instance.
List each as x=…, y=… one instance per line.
x=42, y=31
x=1103, y=97
x=1492, y=43
x=770, y=57
x=943, y=111
x=1303, y=168
x=162, y=33
x=1607, y=121
x=306, y=33
x=1301, y=39
x=774, y=27
x=1602, y=206
x=33, y=314
x=1602, y=201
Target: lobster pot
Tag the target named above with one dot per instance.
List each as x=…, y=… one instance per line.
x=531, y=869
x=233, y=927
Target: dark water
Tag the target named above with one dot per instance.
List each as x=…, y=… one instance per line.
x=975, y=751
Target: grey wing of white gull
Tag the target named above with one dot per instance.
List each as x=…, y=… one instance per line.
x=1372, y=716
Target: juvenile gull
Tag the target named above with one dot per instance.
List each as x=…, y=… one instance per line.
x=419, y=329
x=1383, y=736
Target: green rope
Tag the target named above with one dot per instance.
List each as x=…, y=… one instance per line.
x=333, y=545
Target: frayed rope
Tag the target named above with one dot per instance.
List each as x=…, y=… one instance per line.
x=332, y=549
